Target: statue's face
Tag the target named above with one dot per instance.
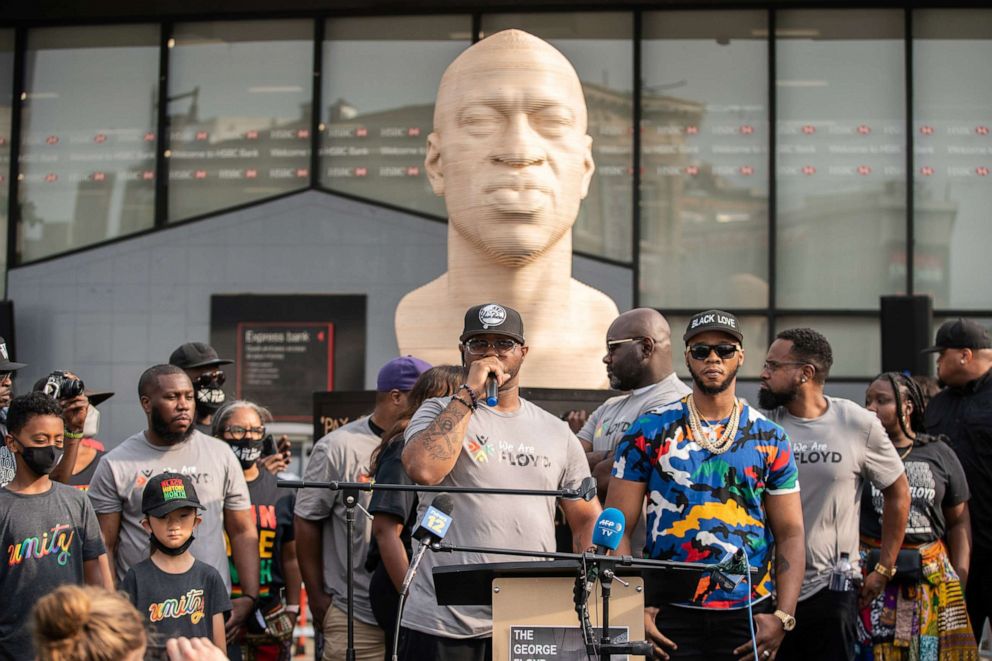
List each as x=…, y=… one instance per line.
x=510, y=152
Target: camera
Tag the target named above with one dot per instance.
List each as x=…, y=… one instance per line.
x=62, y=386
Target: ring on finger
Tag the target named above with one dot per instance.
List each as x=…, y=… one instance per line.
x=767, y=654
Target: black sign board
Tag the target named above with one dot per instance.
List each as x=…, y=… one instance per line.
x=285, y=347
x=545, y=643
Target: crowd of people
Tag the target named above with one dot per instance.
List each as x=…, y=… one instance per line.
x=855, y=518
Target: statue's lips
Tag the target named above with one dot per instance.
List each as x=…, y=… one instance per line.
x=517, y=196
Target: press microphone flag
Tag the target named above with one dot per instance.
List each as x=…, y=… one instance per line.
x=432, y=529
x=608, y=531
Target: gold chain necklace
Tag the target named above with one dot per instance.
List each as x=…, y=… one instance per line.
x=906, y=453
x=704, y=440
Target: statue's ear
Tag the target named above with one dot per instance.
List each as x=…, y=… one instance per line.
x=588, y=165
x=432, y=164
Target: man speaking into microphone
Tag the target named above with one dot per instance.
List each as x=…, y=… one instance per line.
x=461, y=441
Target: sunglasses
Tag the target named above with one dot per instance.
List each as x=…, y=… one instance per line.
x=210, y=378
x=480, y=347
x=702, y=351
x=611, y=345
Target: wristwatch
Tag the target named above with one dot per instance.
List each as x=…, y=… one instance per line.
x=887, y=572
x=788, y=621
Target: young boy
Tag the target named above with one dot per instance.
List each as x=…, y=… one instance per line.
x=49, y=534
x=180, y=595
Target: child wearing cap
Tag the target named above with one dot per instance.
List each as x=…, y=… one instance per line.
x=179, y=595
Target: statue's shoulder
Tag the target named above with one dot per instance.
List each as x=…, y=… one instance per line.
x=424, y=297
x=593, y=301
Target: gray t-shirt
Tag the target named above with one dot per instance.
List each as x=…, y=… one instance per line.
x=608, y=423
x=835, y=454
x=343, y=455
x=176, y=604
x=526, y=449
x=45, y=539
x=216, y=474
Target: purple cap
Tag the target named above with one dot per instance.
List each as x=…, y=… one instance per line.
x=401, y=373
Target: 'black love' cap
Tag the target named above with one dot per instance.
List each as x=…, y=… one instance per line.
x=713, y=320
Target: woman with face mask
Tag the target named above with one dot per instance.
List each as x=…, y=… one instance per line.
x=241, y=424
x=921, y=613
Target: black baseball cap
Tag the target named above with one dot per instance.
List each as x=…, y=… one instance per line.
x=493, y=318
x=168, y=492
x=961, y=334
x=6, y=364
x=196, y=354
x=713, y=320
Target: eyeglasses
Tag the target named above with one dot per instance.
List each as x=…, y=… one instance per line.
x=479, y=347
x=702, y=351
x=611, y=345
x=772, y=365
x=239, y=433
x=209, y=378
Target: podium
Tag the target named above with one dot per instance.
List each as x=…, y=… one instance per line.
x=533, y=608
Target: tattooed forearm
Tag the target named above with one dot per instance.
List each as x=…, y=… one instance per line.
x=440, y=439
x=782, y=564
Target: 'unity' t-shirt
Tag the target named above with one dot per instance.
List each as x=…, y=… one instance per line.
x=217, y=477
x=703, y=506
x=177, y=604
x=45, y=539
x=525, y=449
x=836, y=453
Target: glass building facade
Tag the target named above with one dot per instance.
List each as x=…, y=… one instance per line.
x=791, y=165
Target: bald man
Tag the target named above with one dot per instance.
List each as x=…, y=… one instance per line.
x=638, y=360
x=511, y=155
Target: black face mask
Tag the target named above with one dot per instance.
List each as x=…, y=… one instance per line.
x=247, y=452
x=209, y=398
x=40, y=461
x=159, y=546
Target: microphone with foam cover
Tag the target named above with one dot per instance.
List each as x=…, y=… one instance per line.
x=433, y=527
x=608, y=531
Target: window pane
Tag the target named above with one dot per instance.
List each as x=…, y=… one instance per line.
x=952, y=92
x=856, y=343
x=841, y=158
x=87, y=160
x=754, y=329
x=380, y=78
x=600, y=47
x=239, y=113
x=704, y=136
x=6, y=96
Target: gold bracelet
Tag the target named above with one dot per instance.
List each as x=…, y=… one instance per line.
x=887, y=572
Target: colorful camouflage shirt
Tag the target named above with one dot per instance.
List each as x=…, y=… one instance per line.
x=703, y=506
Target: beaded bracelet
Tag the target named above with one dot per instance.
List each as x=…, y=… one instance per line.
x=471, y=393
x=456, y=398
x=73, y=436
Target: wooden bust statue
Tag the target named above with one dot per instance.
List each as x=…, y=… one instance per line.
x=511, y=156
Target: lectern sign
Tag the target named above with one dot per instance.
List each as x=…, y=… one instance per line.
x=543, y=643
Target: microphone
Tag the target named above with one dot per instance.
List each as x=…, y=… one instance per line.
x=432, y=529
x=492, y=391
x=608, y=531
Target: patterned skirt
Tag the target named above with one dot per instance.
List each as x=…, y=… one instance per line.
x=918, y=621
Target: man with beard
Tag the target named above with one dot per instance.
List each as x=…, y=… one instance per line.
x=719, y=476
x=838, y=445
x=639, y=361
x=172, y=444
x=202, y=365
x=963, y=412
x=459, y=440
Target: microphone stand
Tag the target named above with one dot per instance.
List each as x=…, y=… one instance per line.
x=604, y=566
x=586, y=490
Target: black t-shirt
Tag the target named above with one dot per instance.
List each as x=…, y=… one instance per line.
x=176, y=604
x=81, y=480
x=401, y=504
x=272, y=510
x=936, y=480
x=45, y=538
